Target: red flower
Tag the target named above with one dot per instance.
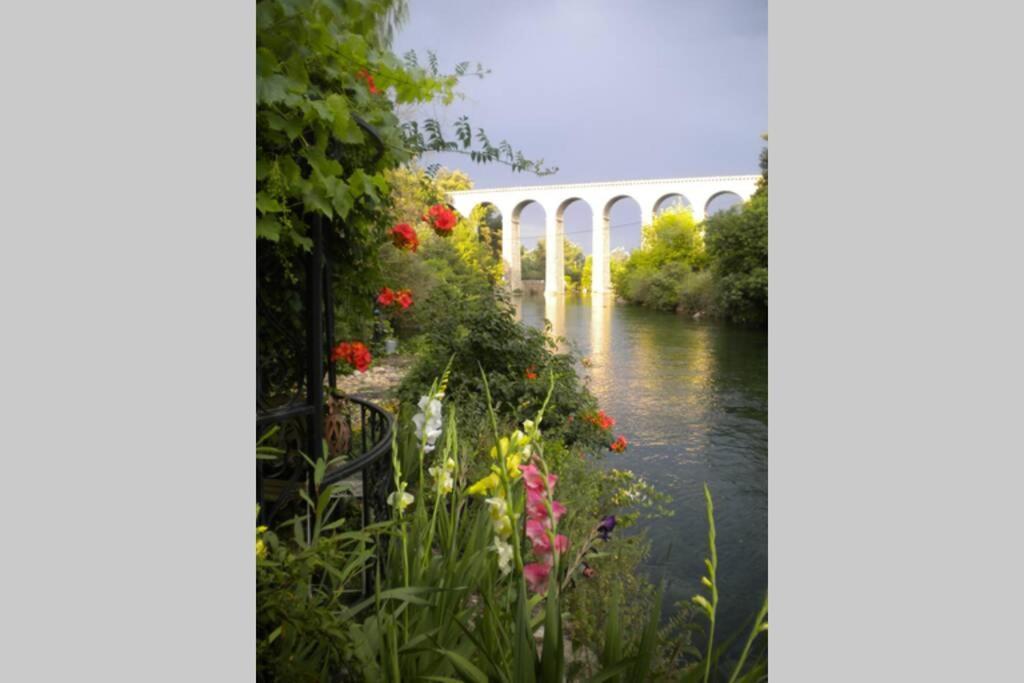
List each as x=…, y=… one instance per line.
x=404, y=236
x=386, y=297
x=404, y=298
x=369, y=81
x=619, y=445
x=601, y=419
x=340, y=352
x=441, y=219
x=354, y=353
x=531, y=372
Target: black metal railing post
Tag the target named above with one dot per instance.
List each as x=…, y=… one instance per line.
x=315, y=379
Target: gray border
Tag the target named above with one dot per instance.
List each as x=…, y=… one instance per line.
x=128, y=280
x=894, y=341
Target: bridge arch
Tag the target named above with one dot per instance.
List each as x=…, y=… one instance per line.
x=528, y=205
x=670, y=200
x=721, y=201
x=624, y=213
x=581, y=211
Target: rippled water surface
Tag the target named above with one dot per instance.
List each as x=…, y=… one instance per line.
x=692, y=398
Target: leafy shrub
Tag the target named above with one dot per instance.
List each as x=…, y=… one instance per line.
x=697, y=294
x=479, y=330
x=738, y=246
x=655, y=274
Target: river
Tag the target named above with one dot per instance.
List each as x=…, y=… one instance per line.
x=692, y=399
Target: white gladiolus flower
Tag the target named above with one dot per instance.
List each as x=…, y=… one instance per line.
x=428, y=422
x=404, y=500
x=505, y=554
x=442, y=475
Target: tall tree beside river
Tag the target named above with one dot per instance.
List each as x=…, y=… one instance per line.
x=737, y=242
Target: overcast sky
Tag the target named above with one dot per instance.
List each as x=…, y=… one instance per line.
x=603, y=89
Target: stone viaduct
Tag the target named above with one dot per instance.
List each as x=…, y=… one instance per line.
x=651, y=195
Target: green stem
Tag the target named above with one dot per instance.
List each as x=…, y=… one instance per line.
x=750, y=640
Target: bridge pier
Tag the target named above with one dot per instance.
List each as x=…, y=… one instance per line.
x=510, y=256
x=554, y=264
x=600, y=267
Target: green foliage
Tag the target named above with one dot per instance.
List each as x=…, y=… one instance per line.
x=575, y=262
x=413, y=189
x=666, y=272
x=327, y=134
x=534, y=262
x=307, y=575
x=738, y=245
x=587, y=275
x=465, y=261
x=477, y=328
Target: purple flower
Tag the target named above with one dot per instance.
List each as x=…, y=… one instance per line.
x=606, y=526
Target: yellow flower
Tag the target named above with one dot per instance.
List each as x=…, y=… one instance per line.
x=260, y=529
x=485, y=485
x=503, y=445
x=261, y=548
x=512, y=463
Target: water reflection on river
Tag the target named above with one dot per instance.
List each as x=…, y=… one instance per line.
x=692, y=398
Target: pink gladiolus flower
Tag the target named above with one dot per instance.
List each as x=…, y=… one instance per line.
x=561, y=543
x=542, y=546
x=537, y=508
x=536, y=575
x=536, y=531
x=535, y=479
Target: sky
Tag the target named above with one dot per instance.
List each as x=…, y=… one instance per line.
x=604, y=90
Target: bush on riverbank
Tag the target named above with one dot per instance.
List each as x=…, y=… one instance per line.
x=667, y=272
x=738, y=246
x=715, y=270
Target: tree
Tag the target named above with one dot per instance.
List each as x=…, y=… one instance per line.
x=574, y=261
x=738, y=246
x=658, y=273
x=487, y=221
x=762, y=183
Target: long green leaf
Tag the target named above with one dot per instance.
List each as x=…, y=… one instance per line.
x=613, y=672
x=645, y=653
x=524, y=652
x=464, y=666
x=612, y=652
x=553, y=657
x=754, y=632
